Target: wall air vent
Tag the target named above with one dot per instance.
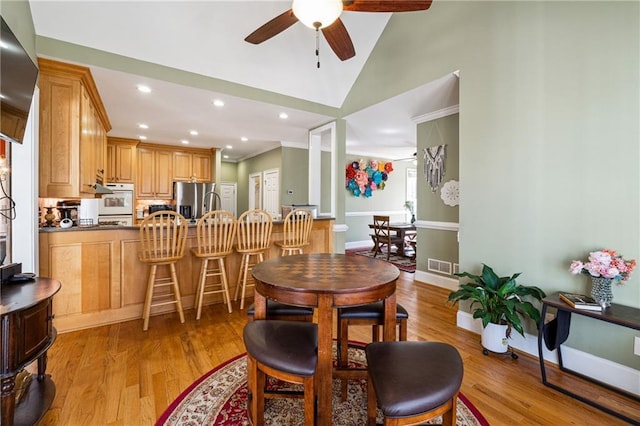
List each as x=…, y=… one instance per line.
x=456, y=268
x=440, y=266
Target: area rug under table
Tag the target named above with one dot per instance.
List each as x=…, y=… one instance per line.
x=402, y=262
x=220, y=398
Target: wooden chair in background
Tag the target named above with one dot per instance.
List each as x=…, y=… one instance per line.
x=297, y=229
x=253, y=239
x=163, y=237
x=383, y=236
x=216, y=232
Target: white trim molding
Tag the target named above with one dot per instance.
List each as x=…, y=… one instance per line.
x=444, y=226
x=437, y=280
x=601, y=369
x=430, y=116
x=340, y=227
x=377, y=212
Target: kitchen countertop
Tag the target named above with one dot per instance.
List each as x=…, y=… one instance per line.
x=134, y=227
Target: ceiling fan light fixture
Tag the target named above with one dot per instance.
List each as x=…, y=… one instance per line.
x=317, y=14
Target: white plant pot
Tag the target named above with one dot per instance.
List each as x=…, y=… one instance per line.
x=494, y=338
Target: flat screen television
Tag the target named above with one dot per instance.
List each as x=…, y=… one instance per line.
x=18, y=76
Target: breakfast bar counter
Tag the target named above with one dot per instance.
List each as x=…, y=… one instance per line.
x=103, y=281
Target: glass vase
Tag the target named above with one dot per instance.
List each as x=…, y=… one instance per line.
x=601, y=291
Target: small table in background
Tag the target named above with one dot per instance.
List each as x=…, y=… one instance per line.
x=401, y=229
x=327, y=281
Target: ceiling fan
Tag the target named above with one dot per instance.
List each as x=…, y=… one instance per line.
x=325, y=15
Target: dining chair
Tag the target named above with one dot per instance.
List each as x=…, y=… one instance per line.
x=215, y=232
x=163, y=237
x=412, y=382
x=297, y=229
x=281, y=311
x=253, y=238
x=284, y=350
x=383, y=236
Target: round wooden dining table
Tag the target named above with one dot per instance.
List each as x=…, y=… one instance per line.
x=326, y=281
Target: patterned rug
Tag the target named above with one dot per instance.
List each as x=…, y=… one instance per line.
x=220, y=398
x=403, y=263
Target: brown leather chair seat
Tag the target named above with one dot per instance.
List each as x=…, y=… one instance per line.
x=289, y=346
x=413, y=381
x=277, y=310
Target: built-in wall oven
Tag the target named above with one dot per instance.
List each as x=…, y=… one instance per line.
x=117, y=208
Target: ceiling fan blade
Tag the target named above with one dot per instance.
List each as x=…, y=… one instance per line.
x=386, y=5
x=339, y=40
x=272, y=28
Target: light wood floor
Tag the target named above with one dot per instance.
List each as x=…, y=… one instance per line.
x=120, y=375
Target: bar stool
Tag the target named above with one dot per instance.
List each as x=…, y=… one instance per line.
x=297, y=228
x=163, y=236
x=371, y=314
x=215, y=232
x=254, y=234
x=413, y=382
x=285, y=350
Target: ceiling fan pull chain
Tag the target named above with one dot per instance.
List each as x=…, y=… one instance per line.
x=318, y=45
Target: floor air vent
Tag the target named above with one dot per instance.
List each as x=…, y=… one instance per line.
x=439, y=266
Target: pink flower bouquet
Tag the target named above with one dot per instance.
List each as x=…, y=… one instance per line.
x=606, y=264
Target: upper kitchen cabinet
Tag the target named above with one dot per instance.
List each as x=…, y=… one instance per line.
x=73, y=131
x=193, y=165
x=155, y=172
x=121, y=160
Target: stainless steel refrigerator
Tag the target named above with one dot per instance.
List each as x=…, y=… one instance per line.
x=193, y=200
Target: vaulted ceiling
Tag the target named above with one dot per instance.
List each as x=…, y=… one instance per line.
x=200, y=46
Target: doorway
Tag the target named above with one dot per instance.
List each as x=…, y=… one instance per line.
x=271, y=193
x=255, y=191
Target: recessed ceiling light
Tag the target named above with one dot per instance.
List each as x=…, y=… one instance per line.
x=244, y=139
x=193, y=133
x=225, y=156
x=184, y=141
x=144, y=89
x=218, y=102
x=143, y=138
x=229, y=147
x=284, y=115
x=143, y=126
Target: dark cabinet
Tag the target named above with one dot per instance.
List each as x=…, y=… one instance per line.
x=26, y=333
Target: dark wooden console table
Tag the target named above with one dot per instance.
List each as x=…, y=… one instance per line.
x=556, y=332
x=26, y=333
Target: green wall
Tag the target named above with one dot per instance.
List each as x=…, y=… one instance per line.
x=228, y=172
x=17, y=14
x=437, y=243
x=294, y=176
x=549, y=134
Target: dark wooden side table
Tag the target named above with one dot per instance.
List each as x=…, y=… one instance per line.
x=556, y=332
x=26, y=333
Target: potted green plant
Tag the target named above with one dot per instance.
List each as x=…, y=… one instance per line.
x=409, y=206
x=500, y=303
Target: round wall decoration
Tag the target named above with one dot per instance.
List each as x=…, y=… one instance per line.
x=450, y=193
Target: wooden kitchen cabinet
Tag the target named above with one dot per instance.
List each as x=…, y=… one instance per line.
x=192, y=166
x=121, y=160
x=73, y=128
x=154, y=173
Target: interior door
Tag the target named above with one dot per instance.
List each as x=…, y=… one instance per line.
x=255, y=191
x=228, y=197
x=271, y=199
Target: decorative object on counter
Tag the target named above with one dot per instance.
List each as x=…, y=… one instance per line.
x=450, y=193
x=604, y=267
x=362, y=178
x=66, y=223
x=410, y=207
x=49, y=217
x=500, y=303
x=434, y=165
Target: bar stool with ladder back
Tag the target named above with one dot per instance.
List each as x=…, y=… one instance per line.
x=163, y=237
x=297, y=228
x=285, y=350
x=253, y=238
x=216, y=232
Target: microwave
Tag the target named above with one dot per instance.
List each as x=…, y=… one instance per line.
x=119, y=202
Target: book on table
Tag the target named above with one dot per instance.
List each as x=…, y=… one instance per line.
x=580, y=301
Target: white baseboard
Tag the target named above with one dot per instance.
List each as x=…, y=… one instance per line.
x=437, y=280
x=601, y=369
x=358, y=244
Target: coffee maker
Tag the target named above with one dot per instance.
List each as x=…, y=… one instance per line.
x=69, y=210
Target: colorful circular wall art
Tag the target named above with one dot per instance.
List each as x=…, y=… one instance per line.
x=450, y=193
x=362, y=178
